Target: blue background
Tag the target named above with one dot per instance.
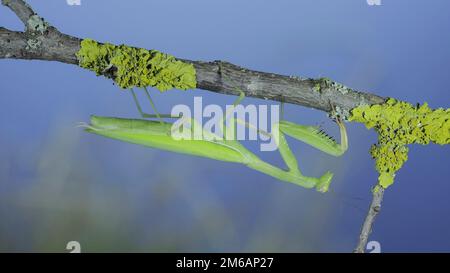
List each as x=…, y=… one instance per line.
x=59, y=184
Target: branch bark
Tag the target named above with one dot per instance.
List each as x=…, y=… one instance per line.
x=322, y=94
x=366, y=229
x=21, y=9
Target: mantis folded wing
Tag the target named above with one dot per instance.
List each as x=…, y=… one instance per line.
x=158, y=134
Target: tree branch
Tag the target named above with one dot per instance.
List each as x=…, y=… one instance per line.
x=314, y=93
x=20, y=8
x=366, y=229
x=40, y=41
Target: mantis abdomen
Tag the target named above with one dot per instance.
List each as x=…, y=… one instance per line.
x=158, y=135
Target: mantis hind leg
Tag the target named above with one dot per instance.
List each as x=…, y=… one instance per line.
x=234, y=121
x=145, y=115
x=232, y=130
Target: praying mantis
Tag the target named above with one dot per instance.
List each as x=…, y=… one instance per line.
x=159, y=134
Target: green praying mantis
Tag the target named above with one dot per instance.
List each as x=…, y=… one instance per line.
x=160, y=134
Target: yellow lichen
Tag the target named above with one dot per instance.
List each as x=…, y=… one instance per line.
x=136, y=67
x=399, y=124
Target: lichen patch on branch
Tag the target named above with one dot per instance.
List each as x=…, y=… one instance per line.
x=399, y=124
x=36, y=24
x=137, y=67
x=325, y=83
x=33, y=44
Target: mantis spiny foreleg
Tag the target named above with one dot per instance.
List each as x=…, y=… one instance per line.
x=311, y=135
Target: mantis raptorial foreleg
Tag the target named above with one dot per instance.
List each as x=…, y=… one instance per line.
x=310, y=135
x=317, y=138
